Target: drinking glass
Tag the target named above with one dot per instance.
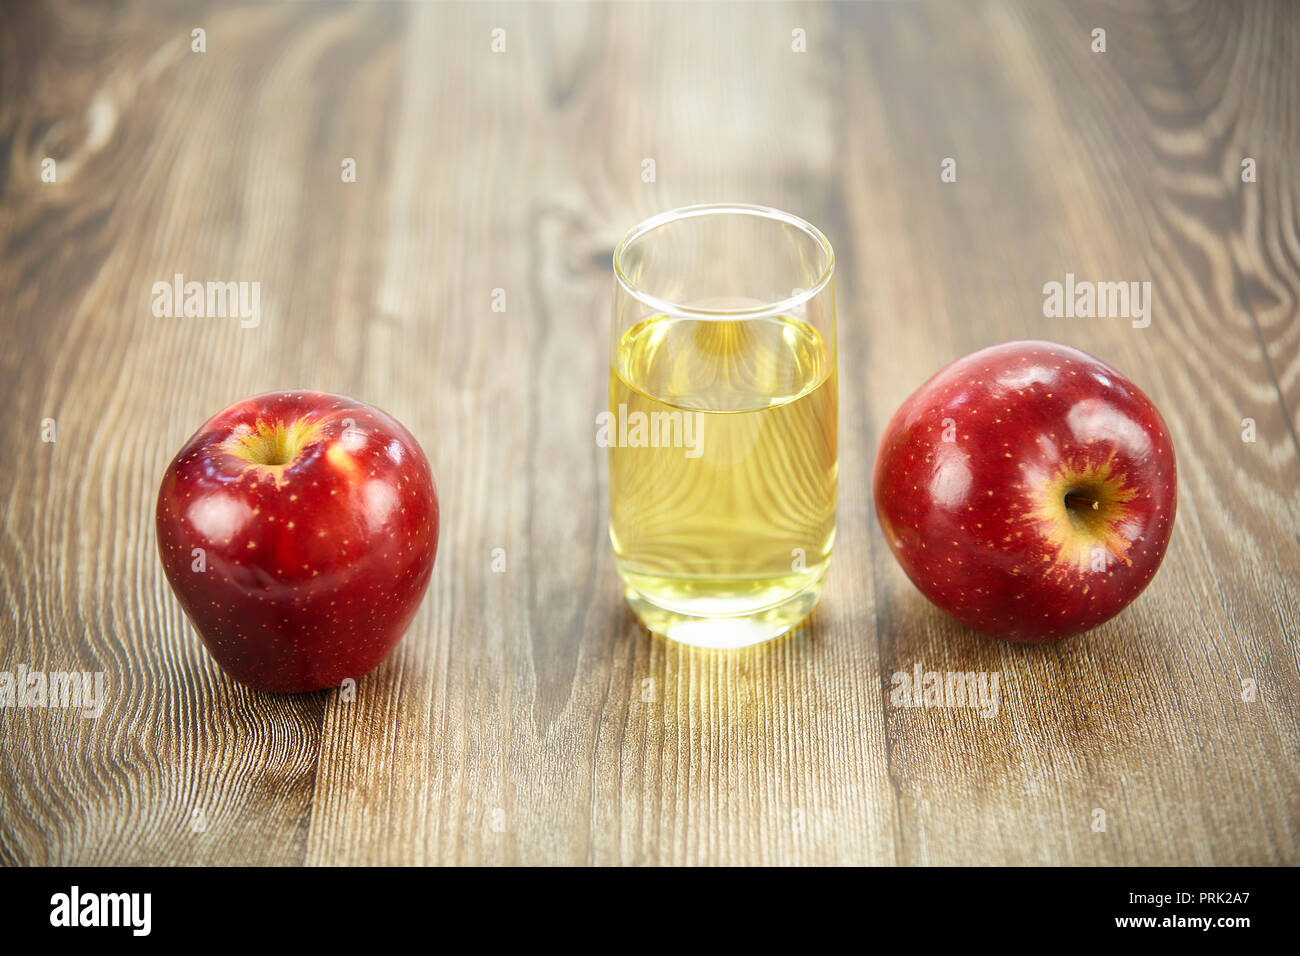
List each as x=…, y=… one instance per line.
x=721, y=425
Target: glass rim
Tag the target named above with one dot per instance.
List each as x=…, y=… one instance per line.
x=709, y=209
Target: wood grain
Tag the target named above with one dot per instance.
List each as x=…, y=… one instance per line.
x=526, y=717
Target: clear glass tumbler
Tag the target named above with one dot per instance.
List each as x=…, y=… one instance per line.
x=722, y=422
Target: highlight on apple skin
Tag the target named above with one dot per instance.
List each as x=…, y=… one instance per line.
x=1027, y=489
x=298, y=529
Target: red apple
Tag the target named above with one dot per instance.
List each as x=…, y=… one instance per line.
x=1027, y=489
x=298, y=529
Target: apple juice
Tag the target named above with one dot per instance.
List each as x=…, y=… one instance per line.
x=735, y=522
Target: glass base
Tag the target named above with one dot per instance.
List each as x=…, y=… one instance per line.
x=727, y=630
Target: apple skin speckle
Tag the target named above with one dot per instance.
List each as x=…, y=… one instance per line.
x=312, y=567
x=1077, y=461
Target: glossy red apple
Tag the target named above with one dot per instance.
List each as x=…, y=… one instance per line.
x=298, y=529
x=1027, y=489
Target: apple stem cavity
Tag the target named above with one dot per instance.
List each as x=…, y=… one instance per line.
x=1076, y=501
x=272, y=444
x=1084, y=506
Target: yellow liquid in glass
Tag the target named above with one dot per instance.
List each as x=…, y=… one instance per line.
x=722, y=525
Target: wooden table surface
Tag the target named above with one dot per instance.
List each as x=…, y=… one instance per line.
x=526, y=717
